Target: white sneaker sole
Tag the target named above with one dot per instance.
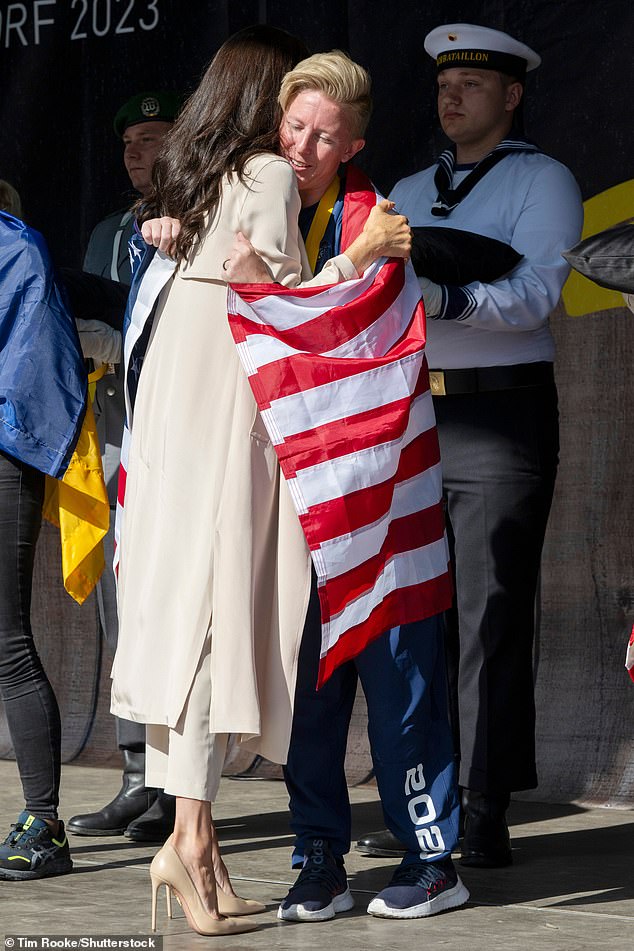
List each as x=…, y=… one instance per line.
x=343, y=902
x=452, y=898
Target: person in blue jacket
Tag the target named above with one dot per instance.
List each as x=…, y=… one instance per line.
x=43, y=388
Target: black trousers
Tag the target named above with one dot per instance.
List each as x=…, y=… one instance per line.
x=499, y=453
x=30, y=704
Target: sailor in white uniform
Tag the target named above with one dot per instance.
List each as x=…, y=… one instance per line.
x=491, y=355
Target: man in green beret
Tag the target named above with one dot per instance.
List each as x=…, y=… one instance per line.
x=141, y=123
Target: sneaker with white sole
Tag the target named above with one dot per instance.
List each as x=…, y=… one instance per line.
x=420, y=889
x=321, y=890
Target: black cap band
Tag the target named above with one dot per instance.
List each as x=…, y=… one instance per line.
x=482, y=59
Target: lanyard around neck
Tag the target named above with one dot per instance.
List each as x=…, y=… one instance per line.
x=320, y=221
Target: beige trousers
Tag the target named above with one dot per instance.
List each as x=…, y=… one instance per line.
x=187, y=761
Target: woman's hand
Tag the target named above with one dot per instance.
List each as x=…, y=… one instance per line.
x=388, y=234
x=161, y=232
x=385, y=234
x=244, y=265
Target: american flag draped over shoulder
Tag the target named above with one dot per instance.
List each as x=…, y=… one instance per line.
x=340, y=378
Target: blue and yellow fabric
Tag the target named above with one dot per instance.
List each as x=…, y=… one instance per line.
x=46, y=420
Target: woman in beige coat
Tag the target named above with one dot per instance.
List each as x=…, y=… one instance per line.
x=214, y=573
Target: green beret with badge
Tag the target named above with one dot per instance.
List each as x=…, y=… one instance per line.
x=148, y=107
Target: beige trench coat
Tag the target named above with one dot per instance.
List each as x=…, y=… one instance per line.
x=210, y=537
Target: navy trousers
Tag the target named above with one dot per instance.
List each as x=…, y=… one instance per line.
x=499, y=455
x=403, y=677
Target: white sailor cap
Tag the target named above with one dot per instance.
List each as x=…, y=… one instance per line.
x=478, y=47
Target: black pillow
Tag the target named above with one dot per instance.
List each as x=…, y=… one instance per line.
x=607, y=258
x=92, y=297
x=450, y=256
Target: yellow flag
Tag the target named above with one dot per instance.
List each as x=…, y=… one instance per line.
x=78, y=504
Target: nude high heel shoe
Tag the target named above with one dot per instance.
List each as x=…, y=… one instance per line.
x=227, y=904
x=233, y=905
x=167, y=869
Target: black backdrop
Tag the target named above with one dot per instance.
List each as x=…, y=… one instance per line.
x=67, y=65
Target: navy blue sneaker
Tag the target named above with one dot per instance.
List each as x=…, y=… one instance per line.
x=32, y=851
x=419, y=890
x=321, y=889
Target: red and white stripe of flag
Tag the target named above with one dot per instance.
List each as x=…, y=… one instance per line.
x=340, y=378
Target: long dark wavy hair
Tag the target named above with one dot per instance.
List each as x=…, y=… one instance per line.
x=232, y=115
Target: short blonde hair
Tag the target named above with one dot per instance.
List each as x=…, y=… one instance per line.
x=9, y=199
x=337, y=77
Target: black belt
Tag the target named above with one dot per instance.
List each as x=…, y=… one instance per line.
x=486, y=379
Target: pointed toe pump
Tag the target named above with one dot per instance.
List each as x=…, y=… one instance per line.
x=167, y=869
x=233, y=905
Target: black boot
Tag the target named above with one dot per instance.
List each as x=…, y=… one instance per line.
x=383, y=843
x=132, y=800
x=157, y=823
x=486, y=841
